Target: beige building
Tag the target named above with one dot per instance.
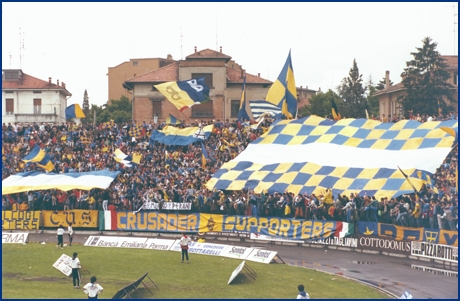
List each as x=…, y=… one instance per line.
x=222, y=75
x=119, y=74
x=388, y=97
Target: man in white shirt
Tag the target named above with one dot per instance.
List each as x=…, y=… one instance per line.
x=75, y=265
x=302, y=293
x=184, y=246
x=92, y=289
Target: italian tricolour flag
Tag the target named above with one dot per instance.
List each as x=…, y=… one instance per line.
x=110, y=220
x=343, y=229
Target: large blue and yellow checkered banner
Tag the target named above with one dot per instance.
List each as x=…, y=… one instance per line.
x=200, y=222
x=350, y=155
x=436, y=236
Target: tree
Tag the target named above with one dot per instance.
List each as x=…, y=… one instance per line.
x=118, y=110
x=372, y=101
x=320, y=104
x=382, y=84
x=85, y=106
x=425, y=79
x=352, y=93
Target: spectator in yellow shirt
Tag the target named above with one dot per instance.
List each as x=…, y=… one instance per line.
x=23, y=206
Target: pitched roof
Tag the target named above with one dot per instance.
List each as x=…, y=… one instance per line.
x=168, y=73
x=208, y=54
x=451, y=61
x=393, y=88
x=28, y=82
x=234, y=76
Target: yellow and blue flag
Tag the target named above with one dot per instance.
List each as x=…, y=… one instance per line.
x=301, y=156
x=46, y=163
x=335, y=111
x=172, y=120
x=283, y=92
x=185, y=94
x=36, y=155
x=74, y=111
x=204, y=156
x=174, y=136
x=242, y=114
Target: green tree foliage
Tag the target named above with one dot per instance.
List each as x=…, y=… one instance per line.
x=118, y=110
x=85, y=107
x=381, y=85
x=425, y=79
x=320, y=104
x=352, y=92
x=372, y=101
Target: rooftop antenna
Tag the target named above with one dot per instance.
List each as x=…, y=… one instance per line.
x=181, y=36
x=455, y=31
x=21, y=47
x=217, y=48
x=10, y=59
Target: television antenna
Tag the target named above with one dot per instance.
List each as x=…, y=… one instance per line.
x=21, y=47
x=181, y=36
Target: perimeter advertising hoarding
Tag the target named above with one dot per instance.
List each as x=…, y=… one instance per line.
x=385, y=244
x=201, y=248
x=262, y=256
x=15, y=238
x=78, y=218
x=129, y=242
x=20, y=220
x=236, y=252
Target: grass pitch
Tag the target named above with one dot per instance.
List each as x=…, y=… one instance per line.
x=28, y=274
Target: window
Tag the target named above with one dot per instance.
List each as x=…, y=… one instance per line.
x=157, y=104
x=207, y=78
x=234, y=108
x=37, y=91
x=9, y=106
x=37, y=106
x=455, y=78
x=9, y=91
x=203, y=110
x=135, y=63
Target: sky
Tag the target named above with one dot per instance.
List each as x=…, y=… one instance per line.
x=76, y=43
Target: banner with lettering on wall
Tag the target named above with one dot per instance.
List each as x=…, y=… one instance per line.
x=20, y=220
x=78, y=218
x=203, y=223
x=436, y=236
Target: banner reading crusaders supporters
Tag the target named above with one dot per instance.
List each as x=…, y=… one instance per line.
x=203, y=223
x=78, y=218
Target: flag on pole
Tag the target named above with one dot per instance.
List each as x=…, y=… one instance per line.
x=408, y=181
x=74, y=111
x=172, y=120
x=335, y=111
x=185, y=94
x=260, y=107
x=40, y=157
x=283, y=92
x=242, y=114
x=204, y=156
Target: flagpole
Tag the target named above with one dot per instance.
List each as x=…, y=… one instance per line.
x=186, y=118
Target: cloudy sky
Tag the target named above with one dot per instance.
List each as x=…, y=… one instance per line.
x=77, y=42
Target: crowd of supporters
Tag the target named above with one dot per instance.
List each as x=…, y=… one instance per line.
x=177, y=174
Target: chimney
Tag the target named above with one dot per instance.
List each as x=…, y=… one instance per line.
x=49, y=80
x=63, y=85
x=258, y=74
x=220, y=49
x=300, y=87
x=387, y=79
x=242, y=72
x=169, y=57
x=319, y=89
x=58, y=82
x=195, y=49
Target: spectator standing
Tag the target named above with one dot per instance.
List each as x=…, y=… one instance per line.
x=93, y=289
x=184, y=246
x=302, y=293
